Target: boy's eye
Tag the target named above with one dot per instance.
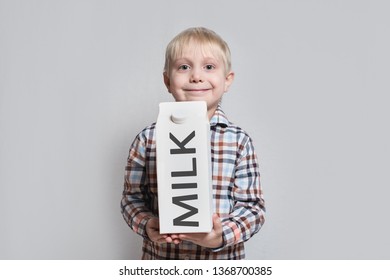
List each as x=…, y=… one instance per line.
x=210, y=67
x=184, y=67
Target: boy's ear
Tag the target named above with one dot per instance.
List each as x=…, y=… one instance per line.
x=167, y=82
x=229, y=80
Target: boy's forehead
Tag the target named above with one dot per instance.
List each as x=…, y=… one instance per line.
x=192, y=49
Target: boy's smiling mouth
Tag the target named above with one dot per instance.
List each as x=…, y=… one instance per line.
x=196, y=89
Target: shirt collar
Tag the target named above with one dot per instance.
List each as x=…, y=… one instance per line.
x=219, y=118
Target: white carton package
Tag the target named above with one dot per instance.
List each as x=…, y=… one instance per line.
x=184, y=167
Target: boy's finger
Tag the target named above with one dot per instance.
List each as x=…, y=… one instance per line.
x=217, y=225
x=176, y=241
x=188, y=237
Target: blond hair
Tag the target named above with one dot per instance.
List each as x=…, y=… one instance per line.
x=198, y=35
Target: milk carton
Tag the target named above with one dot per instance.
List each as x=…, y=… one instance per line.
x=184, y=167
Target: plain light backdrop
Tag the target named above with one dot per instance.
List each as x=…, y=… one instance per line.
x=79, y=80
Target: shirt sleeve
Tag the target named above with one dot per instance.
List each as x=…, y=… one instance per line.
x=248, y=213
x=135, y=211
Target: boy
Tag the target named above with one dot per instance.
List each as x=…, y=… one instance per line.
x=198, y=67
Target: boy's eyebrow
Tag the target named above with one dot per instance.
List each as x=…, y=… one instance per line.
x=186, y=59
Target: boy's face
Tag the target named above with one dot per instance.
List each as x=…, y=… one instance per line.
x=198, y=75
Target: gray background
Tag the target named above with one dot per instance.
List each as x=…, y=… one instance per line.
x=79, y=80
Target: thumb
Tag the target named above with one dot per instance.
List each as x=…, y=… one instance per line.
x=154, y=223
x=217, y=225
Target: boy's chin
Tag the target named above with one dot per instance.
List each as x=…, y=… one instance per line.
x=191, y=99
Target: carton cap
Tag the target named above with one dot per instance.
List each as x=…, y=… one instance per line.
x=179, y=117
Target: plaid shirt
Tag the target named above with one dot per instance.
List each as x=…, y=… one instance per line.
x=237, y=195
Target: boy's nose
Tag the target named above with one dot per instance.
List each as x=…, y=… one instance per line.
x=196, y=77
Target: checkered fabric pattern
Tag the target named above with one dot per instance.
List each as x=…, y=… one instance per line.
x=237, y=194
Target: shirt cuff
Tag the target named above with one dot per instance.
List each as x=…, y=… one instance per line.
x=142, y=227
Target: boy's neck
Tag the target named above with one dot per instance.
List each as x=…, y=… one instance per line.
x=211, y=113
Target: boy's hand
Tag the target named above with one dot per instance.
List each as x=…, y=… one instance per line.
x=153, y=232
x=212, y=239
